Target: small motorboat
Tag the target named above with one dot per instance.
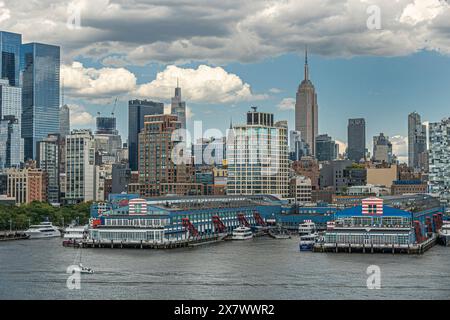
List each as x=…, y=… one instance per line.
x=84, y=269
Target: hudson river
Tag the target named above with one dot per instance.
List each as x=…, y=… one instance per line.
x=258, y=269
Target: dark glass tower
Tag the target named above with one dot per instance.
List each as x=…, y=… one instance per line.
x=137, y=110
x=10, y=44
x=40, y=64
x=356, y=139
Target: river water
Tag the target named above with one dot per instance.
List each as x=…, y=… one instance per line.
x=262, y=268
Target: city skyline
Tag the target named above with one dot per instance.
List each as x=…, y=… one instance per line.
x=354, y=73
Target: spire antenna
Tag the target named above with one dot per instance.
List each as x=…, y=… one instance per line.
x=306, y=63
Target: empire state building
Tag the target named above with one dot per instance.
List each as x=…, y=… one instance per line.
x=306, y=110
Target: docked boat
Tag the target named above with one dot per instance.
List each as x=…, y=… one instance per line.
x=43, y=230
x=73, y=235
x=242, y=233
x=306, y=228
x=444, y=234
x=307, y=241
x=279, y=233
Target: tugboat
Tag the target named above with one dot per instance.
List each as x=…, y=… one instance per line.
x=444, y=234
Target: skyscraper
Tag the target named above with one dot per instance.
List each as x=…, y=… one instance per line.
x=417, y=142
x=40, y=65
x=326, y=148
x=382, y=149
x=306, y=110
x=80, y=167
x=11, y=142
x=10, y=44
x=356, y=137
x=137, y=110
x=178, y=107
x=64, y=120
x=439, y=158
x=257, y=155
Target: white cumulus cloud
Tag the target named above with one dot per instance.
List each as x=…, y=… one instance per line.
x=79, y=116
x=203, y=84
x=96, y=84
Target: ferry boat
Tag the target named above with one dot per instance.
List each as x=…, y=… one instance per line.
x=242, y=233
x=307, y=241
x=43, y=230
x=306, y=228
x=73, y=235
x=444, y=234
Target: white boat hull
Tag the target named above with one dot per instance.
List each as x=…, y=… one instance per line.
x=42, y=235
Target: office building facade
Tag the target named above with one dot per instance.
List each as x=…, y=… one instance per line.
x=356, y=138
x=417, y=142
x=80, y=167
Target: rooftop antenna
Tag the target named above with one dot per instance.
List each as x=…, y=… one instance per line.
x=254, y=109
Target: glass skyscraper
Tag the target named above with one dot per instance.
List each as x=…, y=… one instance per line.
x=40, y=64
x=10, y=44
x=11, y=142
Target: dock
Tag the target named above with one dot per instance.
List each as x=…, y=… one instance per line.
x=419, y=248
x=13, y=235
x=186, y=243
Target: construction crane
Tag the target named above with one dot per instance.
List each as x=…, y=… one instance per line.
x=114, y=108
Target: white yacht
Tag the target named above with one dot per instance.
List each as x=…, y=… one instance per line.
x=306, y=228
x=444, y=234
x=242, y=233
x=43, y=230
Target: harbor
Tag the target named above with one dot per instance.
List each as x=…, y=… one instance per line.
x=262, y=268
x=375, y=226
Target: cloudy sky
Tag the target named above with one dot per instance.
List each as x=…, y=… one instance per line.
x=230, y=55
